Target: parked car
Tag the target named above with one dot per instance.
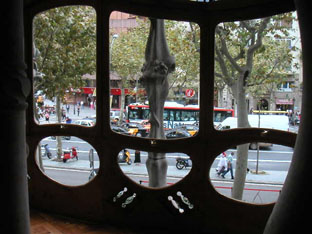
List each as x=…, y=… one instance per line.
x=85, y=122
x=63, y=137
x=136, y=129
x=177, y=133
x=192, y=129
x=120, y=130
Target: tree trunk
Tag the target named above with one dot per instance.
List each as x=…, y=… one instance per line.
x=242, y=150
x=122, y=103
x=220, y=97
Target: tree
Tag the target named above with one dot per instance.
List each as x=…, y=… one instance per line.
x=127, y=57
x=183, y=42
x=240, y=61
x=65, y=37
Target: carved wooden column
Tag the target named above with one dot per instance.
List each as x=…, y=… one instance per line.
x=13, y=90
x=158, y=64
x=291, y=210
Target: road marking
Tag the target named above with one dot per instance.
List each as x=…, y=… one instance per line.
x=67, y=169
x=65, y=141
x=234, y=150
x=173, y=156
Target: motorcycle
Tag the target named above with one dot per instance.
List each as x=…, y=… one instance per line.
x=125, y=158
x=183, y=163
x=47, y=151
x=70, y=154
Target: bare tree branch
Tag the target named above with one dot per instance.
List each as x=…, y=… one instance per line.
x=224, y=50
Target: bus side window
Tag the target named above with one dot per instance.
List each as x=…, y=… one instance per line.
x=192, y=116
x=171, y=115
x=185, y=115
x=218, y=117
x=166, y=115
x=178, y=115
x=146, y=114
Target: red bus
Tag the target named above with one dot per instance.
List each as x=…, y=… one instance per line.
x=175, y=114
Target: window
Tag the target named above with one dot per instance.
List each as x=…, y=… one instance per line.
x=65, y=44
x=111, y=194
x=286, y=86
x=127, y=50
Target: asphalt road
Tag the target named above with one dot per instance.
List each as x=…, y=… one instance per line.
x=275, y=158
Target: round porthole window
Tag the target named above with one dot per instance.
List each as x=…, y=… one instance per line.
x=68, y=160
x=263, y=176
x=134, y=164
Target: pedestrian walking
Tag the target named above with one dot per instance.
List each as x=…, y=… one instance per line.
x=78, y=110
x=47, y=117
x=63, y=114
x=222, y=165
x=229, y=166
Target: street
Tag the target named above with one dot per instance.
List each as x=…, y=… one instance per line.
x=275, y=159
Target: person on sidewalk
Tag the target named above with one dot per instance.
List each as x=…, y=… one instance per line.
x=47, y=117
x=222, y=165
x=229, y=166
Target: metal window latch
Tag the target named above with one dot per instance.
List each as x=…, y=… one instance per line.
x=175, y=204
x=120, y=194
x=185, y=200
x=128, y=200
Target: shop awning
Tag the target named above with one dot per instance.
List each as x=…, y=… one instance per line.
x=284, y=101
x=88, y=90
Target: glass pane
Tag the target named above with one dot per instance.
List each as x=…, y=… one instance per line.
x=67, y=160
x=130, y=107
x=265, y=174
x=64, y=65
x=258, y=72
x=133, y=164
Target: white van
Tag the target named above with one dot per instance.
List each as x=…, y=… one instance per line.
x=278, y=122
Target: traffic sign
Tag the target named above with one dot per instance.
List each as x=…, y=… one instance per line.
x=189, y=92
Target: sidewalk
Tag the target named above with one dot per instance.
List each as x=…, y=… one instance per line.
x=85, y=112
x=272, y=177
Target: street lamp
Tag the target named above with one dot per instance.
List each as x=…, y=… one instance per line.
x=115, y=36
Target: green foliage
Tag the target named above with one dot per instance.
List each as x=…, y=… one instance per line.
x=66, y=39
x=128, y=52
x=261, y=46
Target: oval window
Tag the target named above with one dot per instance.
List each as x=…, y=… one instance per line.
x=135, y=163
x=265, y=173
x=68, y=160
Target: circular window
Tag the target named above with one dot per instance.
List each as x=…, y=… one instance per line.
x=68, y=160
x=135, y=164
x=262, y=177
